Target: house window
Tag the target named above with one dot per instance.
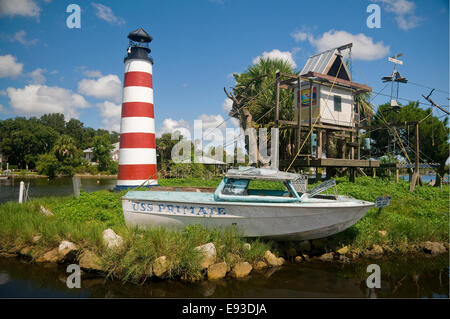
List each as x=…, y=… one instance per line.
x=337, y=103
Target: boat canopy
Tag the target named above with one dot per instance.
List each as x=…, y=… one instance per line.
x=252, y=173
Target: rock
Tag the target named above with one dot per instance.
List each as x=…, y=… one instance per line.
x=26, y=251
x=327, y=257
x=90, y=261
x=50, y=256
x=446, y=245
x=383, y=233
x=344, y=250
x=160, y=266
x=272, y=260
x=433, y=248
x=209, y=255
x=217, y=271
x=376, y=250
x=149, y=271
x=241, y=269
x=45, y=211
x=305, y=257
x=35, y=239
x=304, y=246
x=298, y=259
x=7, y=255
x=111, y=239
x=66, y=249
x=247, y=246
x=260, y=265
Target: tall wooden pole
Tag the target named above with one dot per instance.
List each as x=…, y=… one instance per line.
x=299, y=114
x=416, y=174
x=310, y=117
x=276, y=156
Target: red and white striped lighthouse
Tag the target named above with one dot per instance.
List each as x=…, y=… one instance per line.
x=137, y=153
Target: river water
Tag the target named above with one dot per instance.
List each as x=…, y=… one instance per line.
x=62, y=186
x=400, y=278
x=417, y=277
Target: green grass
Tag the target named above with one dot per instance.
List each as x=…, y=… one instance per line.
x=83, y=220
x=412, y=218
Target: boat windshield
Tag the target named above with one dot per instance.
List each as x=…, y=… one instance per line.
x=233, y=189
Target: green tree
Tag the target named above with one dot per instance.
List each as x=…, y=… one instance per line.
x=48, y=164
x=102, y=148
x=433, y=134
x=21, y=140
x=55, y=121
x=65, y=148
x=254, y=99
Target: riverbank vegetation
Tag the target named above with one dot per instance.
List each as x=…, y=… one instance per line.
x=51, y=146
x=403, y=227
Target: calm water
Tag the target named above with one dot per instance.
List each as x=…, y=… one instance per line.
x=407, y=278
x=9, y=189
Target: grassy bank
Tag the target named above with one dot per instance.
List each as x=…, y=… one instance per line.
x=411, y=219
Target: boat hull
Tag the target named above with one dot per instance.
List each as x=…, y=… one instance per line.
x=290, y=221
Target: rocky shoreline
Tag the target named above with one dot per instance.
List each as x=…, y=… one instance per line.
x=212, y=267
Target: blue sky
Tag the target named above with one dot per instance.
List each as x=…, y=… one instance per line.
x=198, y=45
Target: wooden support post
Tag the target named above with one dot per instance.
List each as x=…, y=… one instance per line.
x=352, y=174
x=21, y=191
x=397, y=173
x=310, y=117
x=319, y=151
x=299, y=114
x=276, y=157
x=374, y=172
x=76, y=182
x=416, y=173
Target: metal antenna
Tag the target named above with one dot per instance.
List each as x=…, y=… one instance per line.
x=395, y=77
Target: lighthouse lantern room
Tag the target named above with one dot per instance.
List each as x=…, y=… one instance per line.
x=137, y=152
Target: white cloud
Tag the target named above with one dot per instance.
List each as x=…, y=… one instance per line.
x=35, y=99
x=299, y=36
x=20, y=37
x=111, y=114
x=92, y=73
x=106, y=13
x=403, y=11
x=277, y=54
x=9, y=67
x=227, y=104
x=364, y=48
x=26, y=8
x=108, y=87
x=170, y=125
x=37, y=76
x=2, y=109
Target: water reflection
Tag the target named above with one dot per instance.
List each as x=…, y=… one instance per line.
x=406, y=278
x=61, y=186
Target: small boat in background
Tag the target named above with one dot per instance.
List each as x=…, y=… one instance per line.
x=291, y=212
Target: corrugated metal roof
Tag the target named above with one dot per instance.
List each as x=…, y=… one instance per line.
x=319, y=62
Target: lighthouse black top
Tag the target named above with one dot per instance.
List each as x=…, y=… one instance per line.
x=139, y=35
x=138, y=49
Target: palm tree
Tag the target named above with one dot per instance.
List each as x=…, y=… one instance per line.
x=65, y=148
x=253, y=99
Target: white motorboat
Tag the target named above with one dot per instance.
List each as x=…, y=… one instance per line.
x=294, y=213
